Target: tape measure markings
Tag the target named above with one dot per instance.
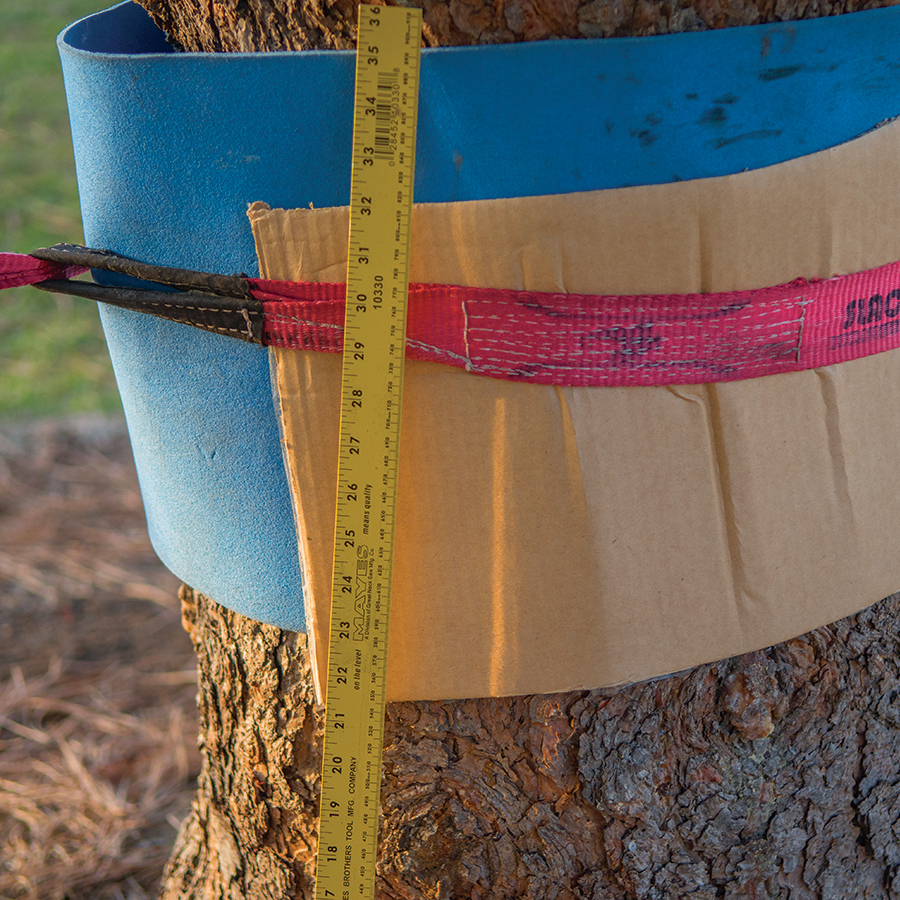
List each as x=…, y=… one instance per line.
x=387, y=78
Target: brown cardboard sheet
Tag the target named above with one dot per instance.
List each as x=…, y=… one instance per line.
x=551, y=538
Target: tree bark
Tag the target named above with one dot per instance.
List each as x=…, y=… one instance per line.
x=771, y=775
x=253, y=25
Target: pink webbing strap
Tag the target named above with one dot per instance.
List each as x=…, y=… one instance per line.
x=581, y=340
x=19, y=269
x=576, y=339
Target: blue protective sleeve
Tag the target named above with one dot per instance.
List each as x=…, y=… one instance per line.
x=171, y=147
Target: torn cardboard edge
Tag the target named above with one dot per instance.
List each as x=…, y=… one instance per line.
x=551, y=539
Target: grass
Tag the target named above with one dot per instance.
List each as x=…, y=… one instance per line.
x=53, y=359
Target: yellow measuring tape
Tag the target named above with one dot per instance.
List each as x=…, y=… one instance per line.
x=384, y=139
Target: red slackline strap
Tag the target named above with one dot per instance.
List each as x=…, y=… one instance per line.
x=589, y=340
x=19, y=269
x=580, y=340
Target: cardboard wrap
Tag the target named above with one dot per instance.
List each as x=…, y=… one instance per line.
x=551, y=539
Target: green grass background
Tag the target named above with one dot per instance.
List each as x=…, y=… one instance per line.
x=53, y=360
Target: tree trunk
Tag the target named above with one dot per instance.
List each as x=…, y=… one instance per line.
x=771, y=775
x=250, y=25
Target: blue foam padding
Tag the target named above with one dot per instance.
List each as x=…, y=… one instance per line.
x=171, y=147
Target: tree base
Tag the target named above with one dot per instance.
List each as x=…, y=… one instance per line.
x=771, y=775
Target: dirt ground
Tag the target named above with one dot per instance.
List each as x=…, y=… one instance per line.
x=97, y=678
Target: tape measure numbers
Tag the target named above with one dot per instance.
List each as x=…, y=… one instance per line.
x=384, y=131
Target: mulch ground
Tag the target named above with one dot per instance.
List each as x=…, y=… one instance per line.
x=98, y=718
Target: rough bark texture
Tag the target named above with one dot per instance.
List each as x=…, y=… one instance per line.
x=250, y=25
x=252, y=832
x=771, y=775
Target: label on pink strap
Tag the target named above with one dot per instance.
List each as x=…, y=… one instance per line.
x=853, y=316
x=590, y=340
x=675, y=339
